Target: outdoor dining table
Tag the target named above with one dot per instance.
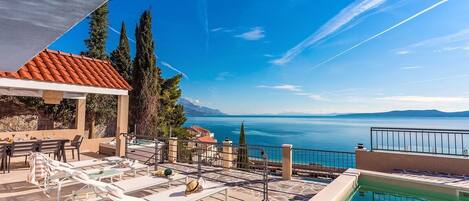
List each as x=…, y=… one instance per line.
x=61, y=155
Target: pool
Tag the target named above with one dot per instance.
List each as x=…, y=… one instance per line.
x=364, y=185
x=372, y=190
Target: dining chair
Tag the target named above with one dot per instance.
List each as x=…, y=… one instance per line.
x=21, y=149
x=51, y=147
x=3, y=155
x=75, y=145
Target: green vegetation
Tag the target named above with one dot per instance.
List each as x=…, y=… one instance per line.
x=120, y=57
x=100, y=109
x=146, y=80
x=171, y=113
x=243, y=158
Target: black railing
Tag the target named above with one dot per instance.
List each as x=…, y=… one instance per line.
x=419, y=140
x=321, y=163
x=143, y=148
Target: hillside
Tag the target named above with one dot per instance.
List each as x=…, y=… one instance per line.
x=410, y=113
x=193, y=109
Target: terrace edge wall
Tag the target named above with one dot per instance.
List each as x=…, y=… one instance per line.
x=386, y=161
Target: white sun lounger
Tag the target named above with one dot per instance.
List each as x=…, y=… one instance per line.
x=143, y=182
x=94, y=162
x=177, y=194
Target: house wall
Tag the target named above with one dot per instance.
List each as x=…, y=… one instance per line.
x=390, y=161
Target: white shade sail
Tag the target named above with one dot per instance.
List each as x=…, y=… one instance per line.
x=29, y=26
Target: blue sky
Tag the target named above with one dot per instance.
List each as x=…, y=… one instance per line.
x=303, y=56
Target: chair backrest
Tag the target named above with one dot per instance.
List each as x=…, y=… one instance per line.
x=48, y=146
x=76, y=142
x=3, y=148
x=23, y=147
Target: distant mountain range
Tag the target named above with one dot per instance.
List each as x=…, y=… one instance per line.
x=409, y=113
x=193, y=109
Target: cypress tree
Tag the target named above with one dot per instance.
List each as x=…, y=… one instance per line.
x=120, y=57
x=243, y=158
x=146, y=79
x=99, y=108
x=96, y=43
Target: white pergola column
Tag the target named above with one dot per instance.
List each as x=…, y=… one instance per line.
x=122, y=123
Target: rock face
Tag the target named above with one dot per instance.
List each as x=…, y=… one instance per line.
x=15, y=116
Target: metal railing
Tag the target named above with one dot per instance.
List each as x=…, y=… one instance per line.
x=145, y=149
x=419, y=140
x=321, y=163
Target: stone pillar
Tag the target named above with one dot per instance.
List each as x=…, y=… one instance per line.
x=287, y=161
x=122, y=123
x=172, y=149
x=80, y=118
x=227, y=155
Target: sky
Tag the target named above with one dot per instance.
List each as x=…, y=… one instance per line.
x=303, y=56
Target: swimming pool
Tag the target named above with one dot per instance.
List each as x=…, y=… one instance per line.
x=364, y=185
x=372, y=190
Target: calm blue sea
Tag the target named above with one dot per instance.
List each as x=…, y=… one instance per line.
x=329, y=133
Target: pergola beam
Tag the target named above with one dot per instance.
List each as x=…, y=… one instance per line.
x=37, y=85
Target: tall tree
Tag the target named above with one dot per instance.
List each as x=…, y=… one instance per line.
x=146, y=79
x=96, y=43
x=171, y=114
x=243, y=159
x=120, y=57
x=99, y=108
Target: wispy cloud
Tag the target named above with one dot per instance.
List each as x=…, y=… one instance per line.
x=174, y=69
x=316, y=97
x=410, y=67
x=462, y=35
x=217, y=29
x=268, y=55
x=256, y=33
x=119, y=33
x=344, y=17
x=453, y=48
x=425, y=99
x=403, y=52
x=286, y=87
x=223, y=76
x=381, y=33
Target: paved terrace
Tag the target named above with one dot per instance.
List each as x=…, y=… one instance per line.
x=243, y=185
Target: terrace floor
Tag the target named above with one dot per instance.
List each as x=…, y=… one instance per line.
x=243, y=185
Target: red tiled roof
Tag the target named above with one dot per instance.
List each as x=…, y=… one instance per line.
x=200, y=130
x=206, y=139
x=65, y=68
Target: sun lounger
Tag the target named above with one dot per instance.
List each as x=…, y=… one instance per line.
x=177, y=193
x=94, y=162
x=143, y=182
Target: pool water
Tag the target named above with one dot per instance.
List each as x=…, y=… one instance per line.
x=377, y=191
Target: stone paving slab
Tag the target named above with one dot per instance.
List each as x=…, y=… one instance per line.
x=250, y=183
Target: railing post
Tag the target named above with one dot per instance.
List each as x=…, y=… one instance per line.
x=227, y=155
x=287, y=161
x=172, y=149
x=157, y=154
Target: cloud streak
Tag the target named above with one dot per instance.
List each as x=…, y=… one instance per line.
x=286, y=87
x=381, y=33
x=256, y=33
x=344, y=17
x=411, y=67
x=174, y=69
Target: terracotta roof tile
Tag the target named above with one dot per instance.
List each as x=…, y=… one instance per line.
x=60, y=67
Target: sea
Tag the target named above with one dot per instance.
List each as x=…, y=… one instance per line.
x=325, y=133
